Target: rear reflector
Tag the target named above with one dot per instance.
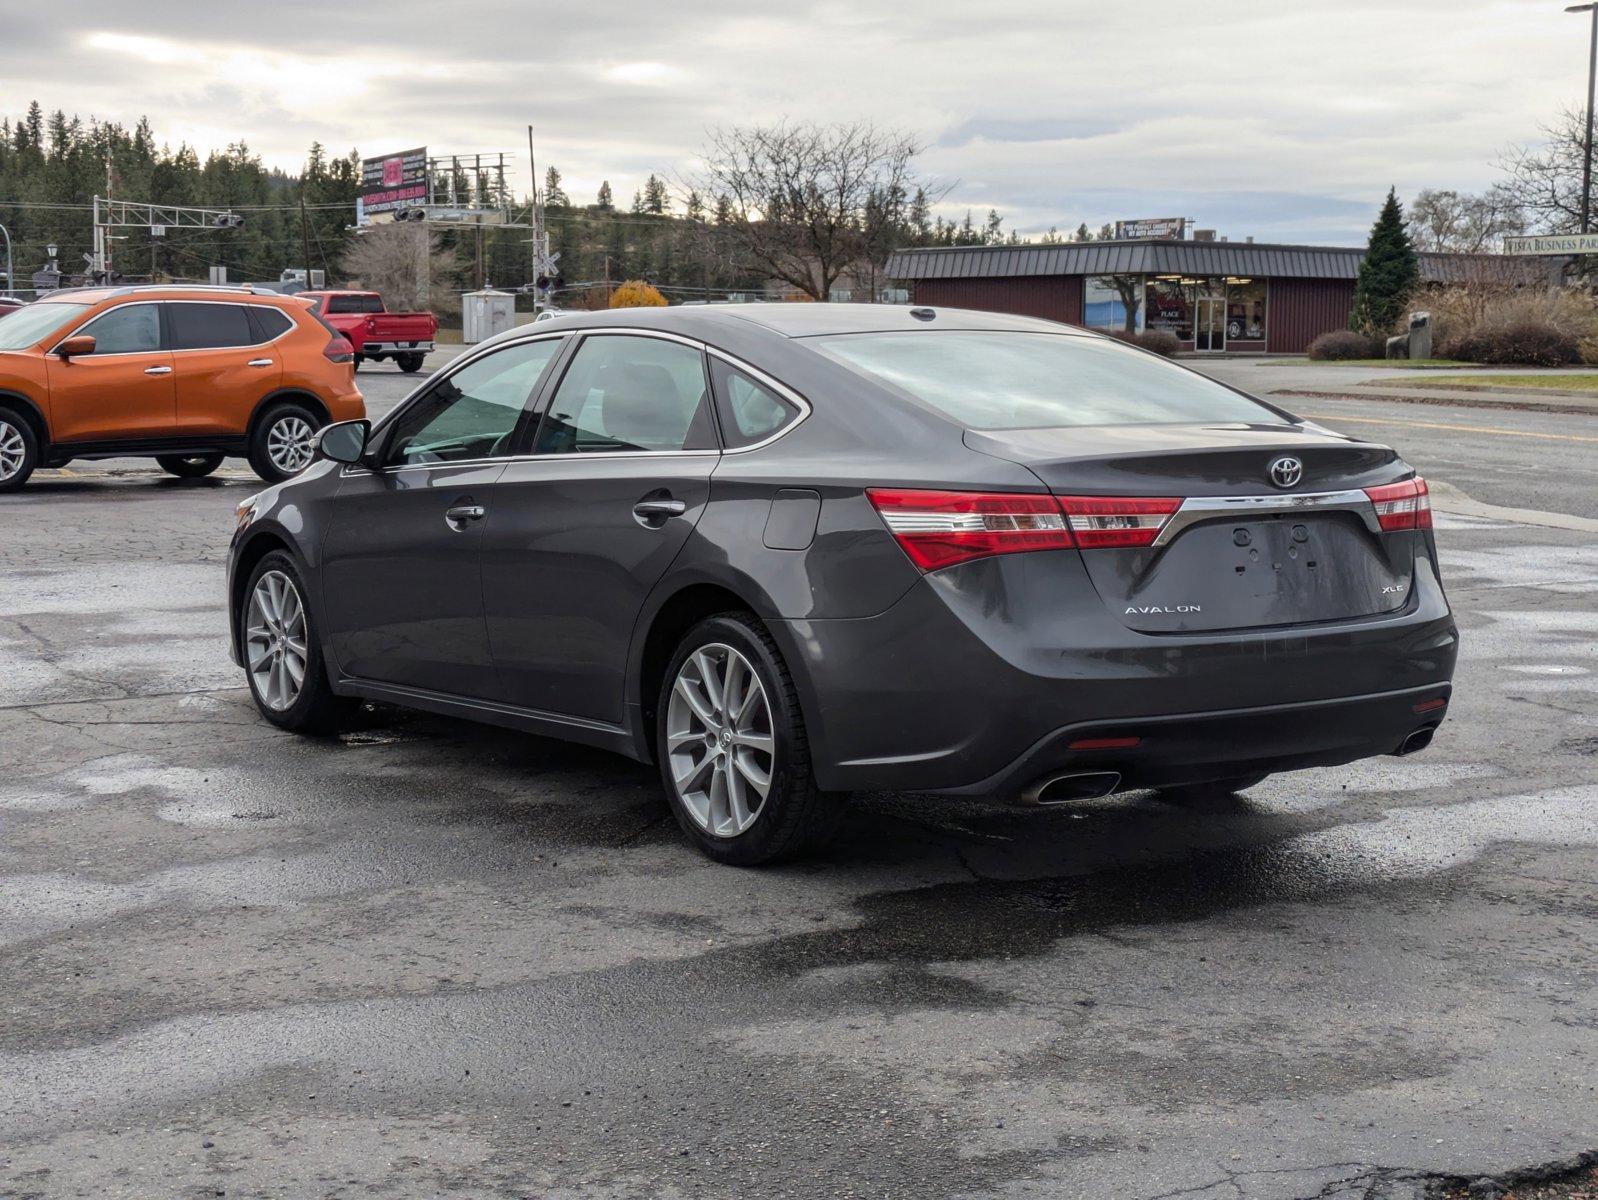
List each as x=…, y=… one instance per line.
x=1102, y=521
x=1104, y=743
x=1426, y=706
x=939, y=529
x=1404, y=505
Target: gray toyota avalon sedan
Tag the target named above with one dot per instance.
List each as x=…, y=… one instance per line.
x=789, y=551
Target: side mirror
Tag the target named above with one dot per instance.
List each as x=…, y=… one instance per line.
x=83, y=343
x=344, y=442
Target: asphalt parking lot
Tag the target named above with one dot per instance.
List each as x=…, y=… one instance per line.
x=430, y=958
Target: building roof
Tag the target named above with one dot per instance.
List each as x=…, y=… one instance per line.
x=1157, y=256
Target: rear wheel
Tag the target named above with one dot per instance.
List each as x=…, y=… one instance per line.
x=19, y=450
x=283, y=441
x=189, y=466
x=410, y=363
x=1209, y=792
x=733, y=751
x=282, y=655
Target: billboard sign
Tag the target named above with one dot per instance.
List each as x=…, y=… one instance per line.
x=1170, y=228
x=1553, y=243
x=393, y=182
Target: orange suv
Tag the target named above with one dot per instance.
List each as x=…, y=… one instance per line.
x=184, y=375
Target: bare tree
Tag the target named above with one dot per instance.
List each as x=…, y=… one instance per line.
x=811, y=201
x=407, y=264
x=1462, y=223
x=1544, y=181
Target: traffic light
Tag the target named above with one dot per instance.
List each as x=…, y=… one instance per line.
x=228, y=220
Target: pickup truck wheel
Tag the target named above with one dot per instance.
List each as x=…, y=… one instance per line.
x=410, y=363
x=358, y=360
x=19, y=450
x=189, y=466
x=283, y=441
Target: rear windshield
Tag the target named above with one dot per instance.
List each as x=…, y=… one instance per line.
x=992, y=380
x=354, y=304
x=36, y=322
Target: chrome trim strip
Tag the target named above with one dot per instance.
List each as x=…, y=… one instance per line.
x=1196, y=509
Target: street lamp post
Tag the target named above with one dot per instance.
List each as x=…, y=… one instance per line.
x=1592, y=74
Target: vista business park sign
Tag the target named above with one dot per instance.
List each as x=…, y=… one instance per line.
x=394, y=181
x=1553, y=243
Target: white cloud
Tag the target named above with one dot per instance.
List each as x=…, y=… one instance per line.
x=643, y=74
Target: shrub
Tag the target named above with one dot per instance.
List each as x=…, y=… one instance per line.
x=1159, y=341
x=635, y=293
x=1342, y=344
x=1527, y=344
x=1469, y=311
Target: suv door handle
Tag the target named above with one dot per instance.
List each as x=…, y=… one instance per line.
x=457, y=517
x=260, y=362
x=647, y=509
x=158, y=370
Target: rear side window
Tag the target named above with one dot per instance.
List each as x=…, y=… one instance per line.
x=630, y=393
x=750, y=411
x=130, y=329
x=209, y=326
x=354, y=304
x=267, y=323
x=999, y=380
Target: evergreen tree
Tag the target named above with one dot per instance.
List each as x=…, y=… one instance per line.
x=1388, y=274
x=554, y=195
x=656, y=199
x=1082, y=234
x=605, y=199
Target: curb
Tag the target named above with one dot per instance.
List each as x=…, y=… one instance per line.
x=1447, y=498
x=1583, y=410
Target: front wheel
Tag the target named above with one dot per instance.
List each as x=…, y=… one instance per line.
x=283, y=441
x=19, y=450
x=189, y=466
x=410, y=363
x=733, y=751
x=282, y=655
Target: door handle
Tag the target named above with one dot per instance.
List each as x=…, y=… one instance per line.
x=260, y=362
x=158, y=370
x=457, y=517
x=659, y=508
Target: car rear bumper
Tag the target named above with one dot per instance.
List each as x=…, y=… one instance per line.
x=979, y=679
x=421, y=346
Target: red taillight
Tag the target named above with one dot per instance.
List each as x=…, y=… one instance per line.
x=1103, y=521
x=339, y=350
x=1105, y=743
x=939, y=529
x=1404, y=505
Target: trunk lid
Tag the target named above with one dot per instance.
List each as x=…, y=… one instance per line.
x=1242, y=551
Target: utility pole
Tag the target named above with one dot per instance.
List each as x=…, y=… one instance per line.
x=305, y=235
x=1592, y=75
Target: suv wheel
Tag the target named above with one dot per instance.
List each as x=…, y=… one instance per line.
x=409, y=363
x=189, y=466
x=19, y=450
x=283, y=441
x=282, y=654
x=732, y=747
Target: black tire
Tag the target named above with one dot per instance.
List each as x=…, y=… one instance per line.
x=410, y=363
x=316, y=711
x=189, y=466
x=795, y=817
x=1210, y=792
x=19, y=450
x=357, y=360
x=261, y=434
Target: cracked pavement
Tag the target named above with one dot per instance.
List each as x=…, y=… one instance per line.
x=430, y=958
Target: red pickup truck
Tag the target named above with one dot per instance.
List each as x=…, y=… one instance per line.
x=375, y=332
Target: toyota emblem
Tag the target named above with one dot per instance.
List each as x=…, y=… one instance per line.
x=1286, y=471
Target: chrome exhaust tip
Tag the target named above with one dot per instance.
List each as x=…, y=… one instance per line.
x=1079, y=785
x=1416, y=741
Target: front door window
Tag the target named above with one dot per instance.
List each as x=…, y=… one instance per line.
x=1210, y=326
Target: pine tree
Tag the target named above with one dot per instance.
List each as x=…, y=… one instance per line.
x=605, y=200
x=1083, y=233
x=1388, y=274
x=656, y=200
x=554, y=195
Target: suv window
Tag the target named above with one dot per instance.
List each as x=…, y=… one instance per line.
x=209, y=326
x=750, y=411
x=473, y=412
x=267, y=323
x=128, y=329
x=629, y=393
x=354, y=304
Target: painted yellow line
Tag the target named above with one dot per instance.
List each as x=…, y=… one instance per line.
x=1525, y=433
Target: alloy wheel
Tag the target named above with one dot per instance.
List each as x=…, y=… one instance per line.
x=13, y=450
x=290, y=443
x=719, y=740
x=275, y=642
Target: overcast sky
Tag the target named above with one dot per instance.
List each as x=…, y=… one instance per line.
x=1286, y=121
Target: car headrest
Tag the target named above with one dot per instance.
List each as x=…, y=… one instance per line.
x=641, y=406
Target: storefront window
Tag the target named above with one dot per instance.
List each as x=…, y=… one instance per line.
x=1170, y=307
x=1113, y=302
x=1245, y=310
